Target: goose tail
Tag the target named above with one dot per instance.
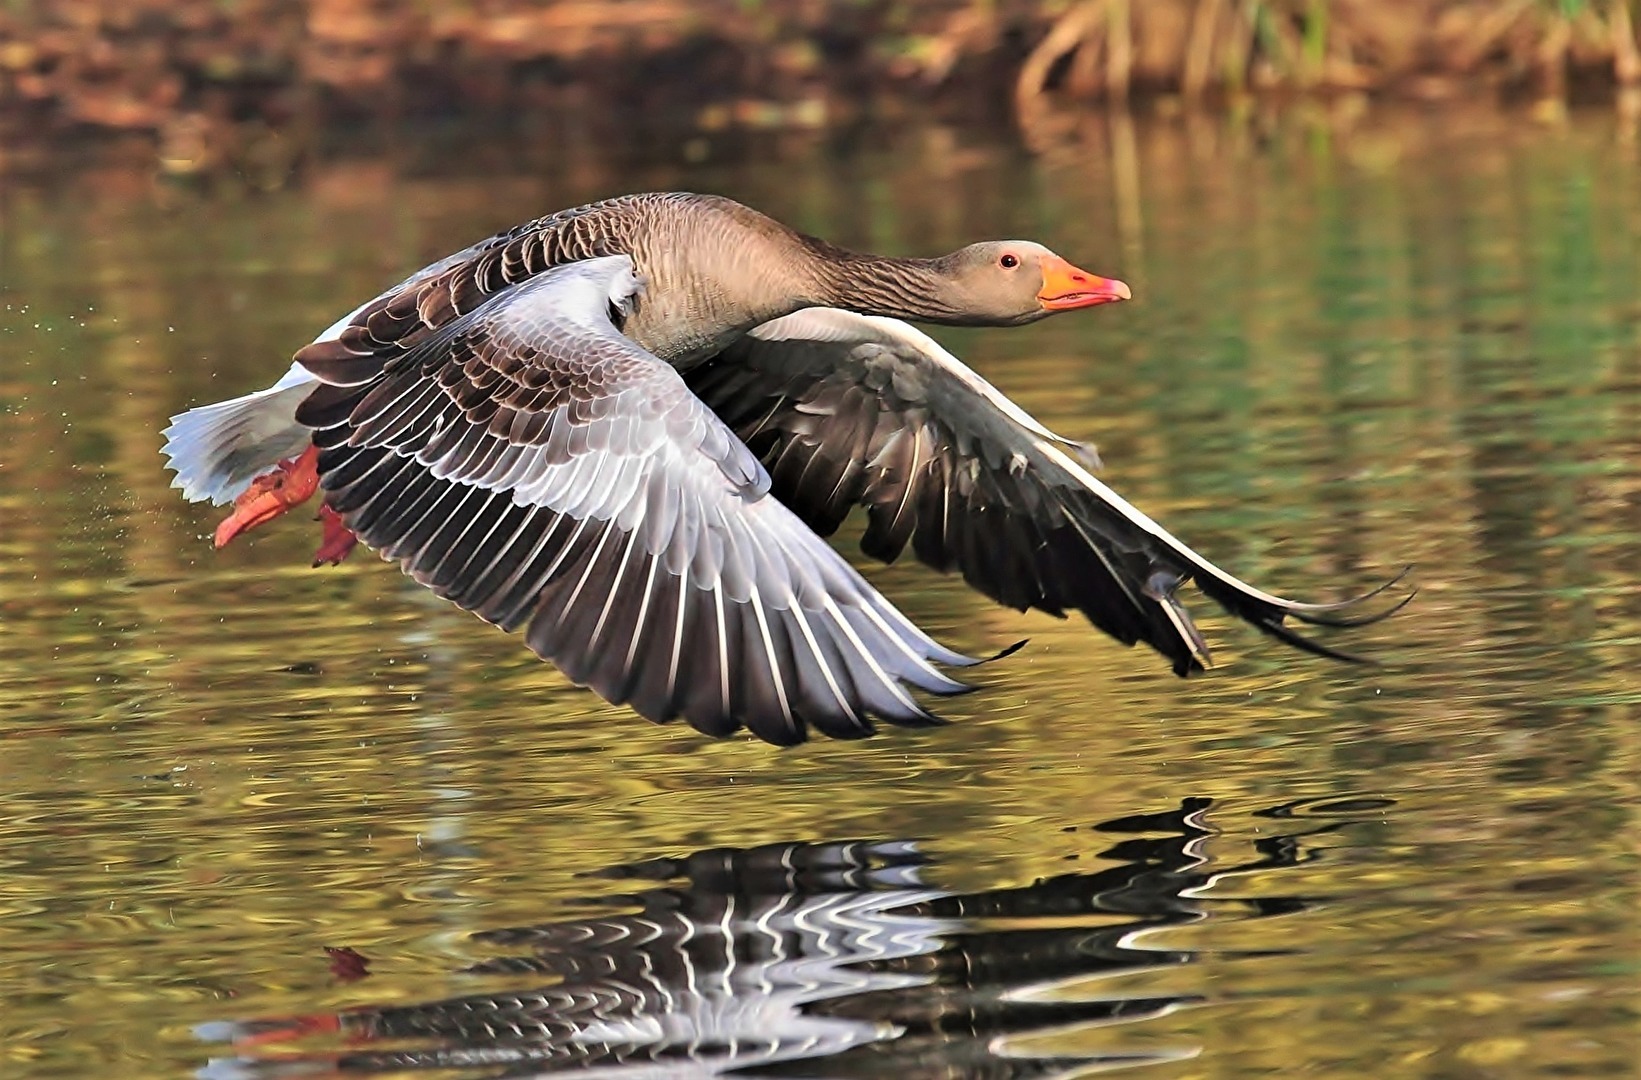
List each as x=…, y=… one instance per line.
x=217, y=450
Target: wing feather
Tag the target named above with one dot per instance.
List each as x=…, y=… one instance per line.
x=849, y=410
x=529, y=463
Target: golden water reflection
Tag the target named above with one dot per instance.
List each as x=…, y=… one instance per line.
x=766, y=959
x=1417, y=341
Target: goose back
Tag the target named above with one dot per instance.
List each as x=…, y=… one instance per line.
x=713, y=268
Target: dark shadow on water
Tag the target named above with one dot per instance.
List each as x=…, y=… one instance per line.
x=819, y=959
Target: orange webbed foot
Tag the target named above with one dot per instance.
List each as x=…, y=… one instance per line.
x=289, y=484
x=338, y=540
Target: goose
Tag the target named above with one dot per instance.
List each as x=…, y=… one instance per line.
x=626, y=428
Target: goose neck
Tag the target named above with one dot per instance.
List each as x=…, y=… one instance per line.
x=885, y=285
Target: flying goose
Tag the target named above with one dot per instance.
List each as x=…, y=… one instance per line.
x=625, y=428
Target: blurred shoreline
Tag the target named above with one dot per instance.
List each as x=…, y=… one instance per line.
x=199, y=87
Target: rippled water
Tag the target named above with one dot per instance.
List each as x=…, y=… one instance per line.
x=1413, y=341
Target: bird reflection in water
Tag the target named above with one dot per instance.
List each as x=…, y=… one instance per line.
x=791, y=958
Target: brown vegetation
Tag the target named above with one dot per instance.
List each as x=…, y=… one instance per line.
x=1426, y=47
x=202, y=78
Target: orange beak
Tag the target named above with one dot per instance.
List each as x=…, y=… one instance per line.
x=1066, y=288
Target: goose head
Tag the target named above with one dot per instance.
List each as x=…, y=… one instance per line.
x=1010, y=282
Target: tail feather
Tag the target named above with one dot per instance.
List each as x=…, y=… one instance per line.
x=217, y=450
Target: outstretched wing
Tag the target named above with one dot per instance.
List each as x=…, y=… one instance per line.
x=849, y=410
x=529, y=463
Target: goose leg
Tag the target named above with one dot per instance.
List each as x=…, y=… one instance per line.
x=338, y=540
x=289, y=484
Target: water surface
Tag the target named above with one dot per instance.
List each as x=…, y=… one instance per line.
x=1415, y=341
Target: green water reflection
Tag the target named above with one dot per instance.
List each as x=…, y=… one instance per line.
x=1417, y=341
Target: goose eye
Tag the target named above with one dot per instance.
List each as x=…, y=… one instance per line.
x=1008, y=262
